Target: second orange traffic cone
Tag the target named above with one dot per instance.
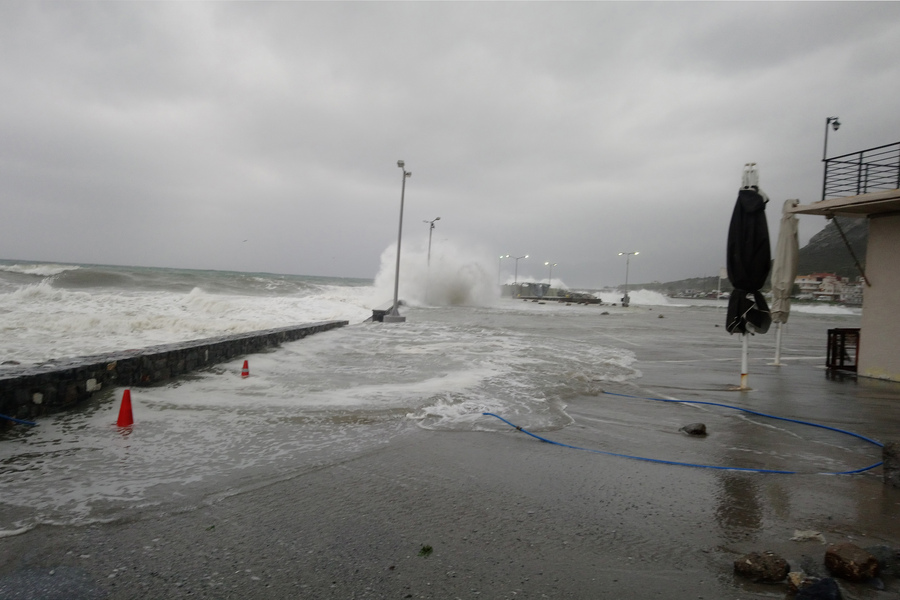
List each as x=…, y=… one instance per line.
x=126, y=419
x=245, y=372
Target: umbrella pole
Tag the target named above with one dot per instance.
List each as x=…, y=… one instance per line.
x=723, y=274
x=777, y=362
x=745, y=337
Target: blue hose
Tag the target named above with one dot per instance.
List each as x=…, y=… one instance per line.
x=19, y=421
x=700, y=466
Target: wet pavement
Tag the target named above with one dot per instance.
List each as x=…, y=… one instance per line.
x=507, y=516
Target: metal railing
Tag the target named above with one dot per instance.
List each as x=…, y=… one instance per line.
x=862, y=172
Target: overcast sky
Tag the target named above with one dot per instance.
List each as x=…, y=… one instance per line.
x=167, y=134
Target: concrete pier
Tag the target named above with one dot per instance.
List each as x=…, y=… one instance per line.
x=31, y=391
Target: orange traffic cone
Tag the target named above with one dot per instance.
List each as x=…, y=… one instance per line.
x=126, y=419
x=245, y=372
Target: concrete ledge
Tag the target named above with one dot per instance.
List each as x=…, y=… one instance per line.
x=55, y=385
x=561, y=299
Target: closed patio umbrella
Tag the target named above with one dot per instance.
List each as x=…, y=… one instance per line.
x=784, y=271
x=748, y=261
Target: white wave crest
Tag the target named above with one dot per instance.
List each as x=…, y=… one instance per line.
x=41, y=270
x=824, y=309
x=41, y=322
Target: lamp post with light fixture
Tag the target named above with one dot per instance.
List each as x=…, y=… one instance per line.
x=516, y=279
x=627, y=255
x=428, y=269
x=550, y=275
x=430, y=231
x=500, y=266
x=835, y=124
x=394, y=315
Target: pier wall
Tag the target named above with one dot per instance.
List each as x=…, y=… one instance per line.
x=31, y=391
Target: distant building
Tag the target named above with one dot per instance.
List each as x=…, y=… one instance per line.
x=828, y=287
x=852, y=292
x=817, y=286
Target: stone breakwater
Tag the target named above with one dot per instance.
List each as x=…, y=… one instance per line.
x=31, y=391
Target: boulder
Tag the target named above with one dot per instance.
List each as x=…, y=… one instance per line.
x=698, y=429
x=823, y=589
x=850, y=562
x=765, y=567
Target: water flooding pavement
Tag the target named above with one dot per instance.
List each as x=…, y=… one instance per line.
x=507, y=516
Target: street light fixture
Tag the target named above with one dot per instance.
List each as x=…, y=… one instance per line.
x=627, y=255
x=394, y=315
x=550, y=276
x=500, y=266
x=518, y=258
x=833, y=121
x=430, y=230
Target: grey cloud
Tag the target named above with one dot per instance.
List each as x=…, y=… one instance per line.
x=160, y=133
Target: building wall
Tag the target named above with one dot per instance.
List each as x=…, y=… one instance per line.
x=879, y=350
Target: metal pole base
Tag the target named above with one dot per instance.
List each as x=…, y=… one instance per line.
x=394, y=319
x=745, y=371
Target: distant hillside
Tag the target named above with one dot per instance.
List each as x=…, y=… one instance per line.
x=825, y=253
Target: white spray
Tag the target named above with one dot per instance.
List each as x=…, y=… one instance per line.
x=455, y=276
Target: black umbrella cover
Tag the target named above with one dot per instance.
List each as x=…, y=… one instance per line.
x=749, y=261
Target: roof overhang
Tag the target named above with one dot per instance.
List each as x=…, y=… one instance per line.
x=864, y=205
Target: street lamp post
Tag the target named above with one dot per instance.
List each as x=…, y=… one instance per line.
x=627, y=255
x=394, y=316
x=833, y=121
x=430, y=231
x=428, y=270
x=835, y=124
x=516, y=279
x=500, y=266
x=550, y=276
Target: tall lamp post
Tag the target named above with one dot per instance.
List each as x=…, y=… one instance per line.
x=518, y=258
x=394, y=315
x=500, y=266
x=430, y=231
x=550, y=275
x=627, y=255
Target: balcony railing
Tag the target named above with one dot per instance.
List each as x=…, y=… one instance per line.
x=862, y=172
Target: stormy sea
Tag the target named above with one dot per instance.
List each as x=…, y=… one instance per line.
x=463, y=351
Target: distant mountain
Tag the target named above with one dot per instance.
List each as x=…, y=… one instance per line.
x=825, y=253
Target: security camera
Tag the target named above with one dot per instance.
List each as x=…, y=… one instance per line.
x=400, y=163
